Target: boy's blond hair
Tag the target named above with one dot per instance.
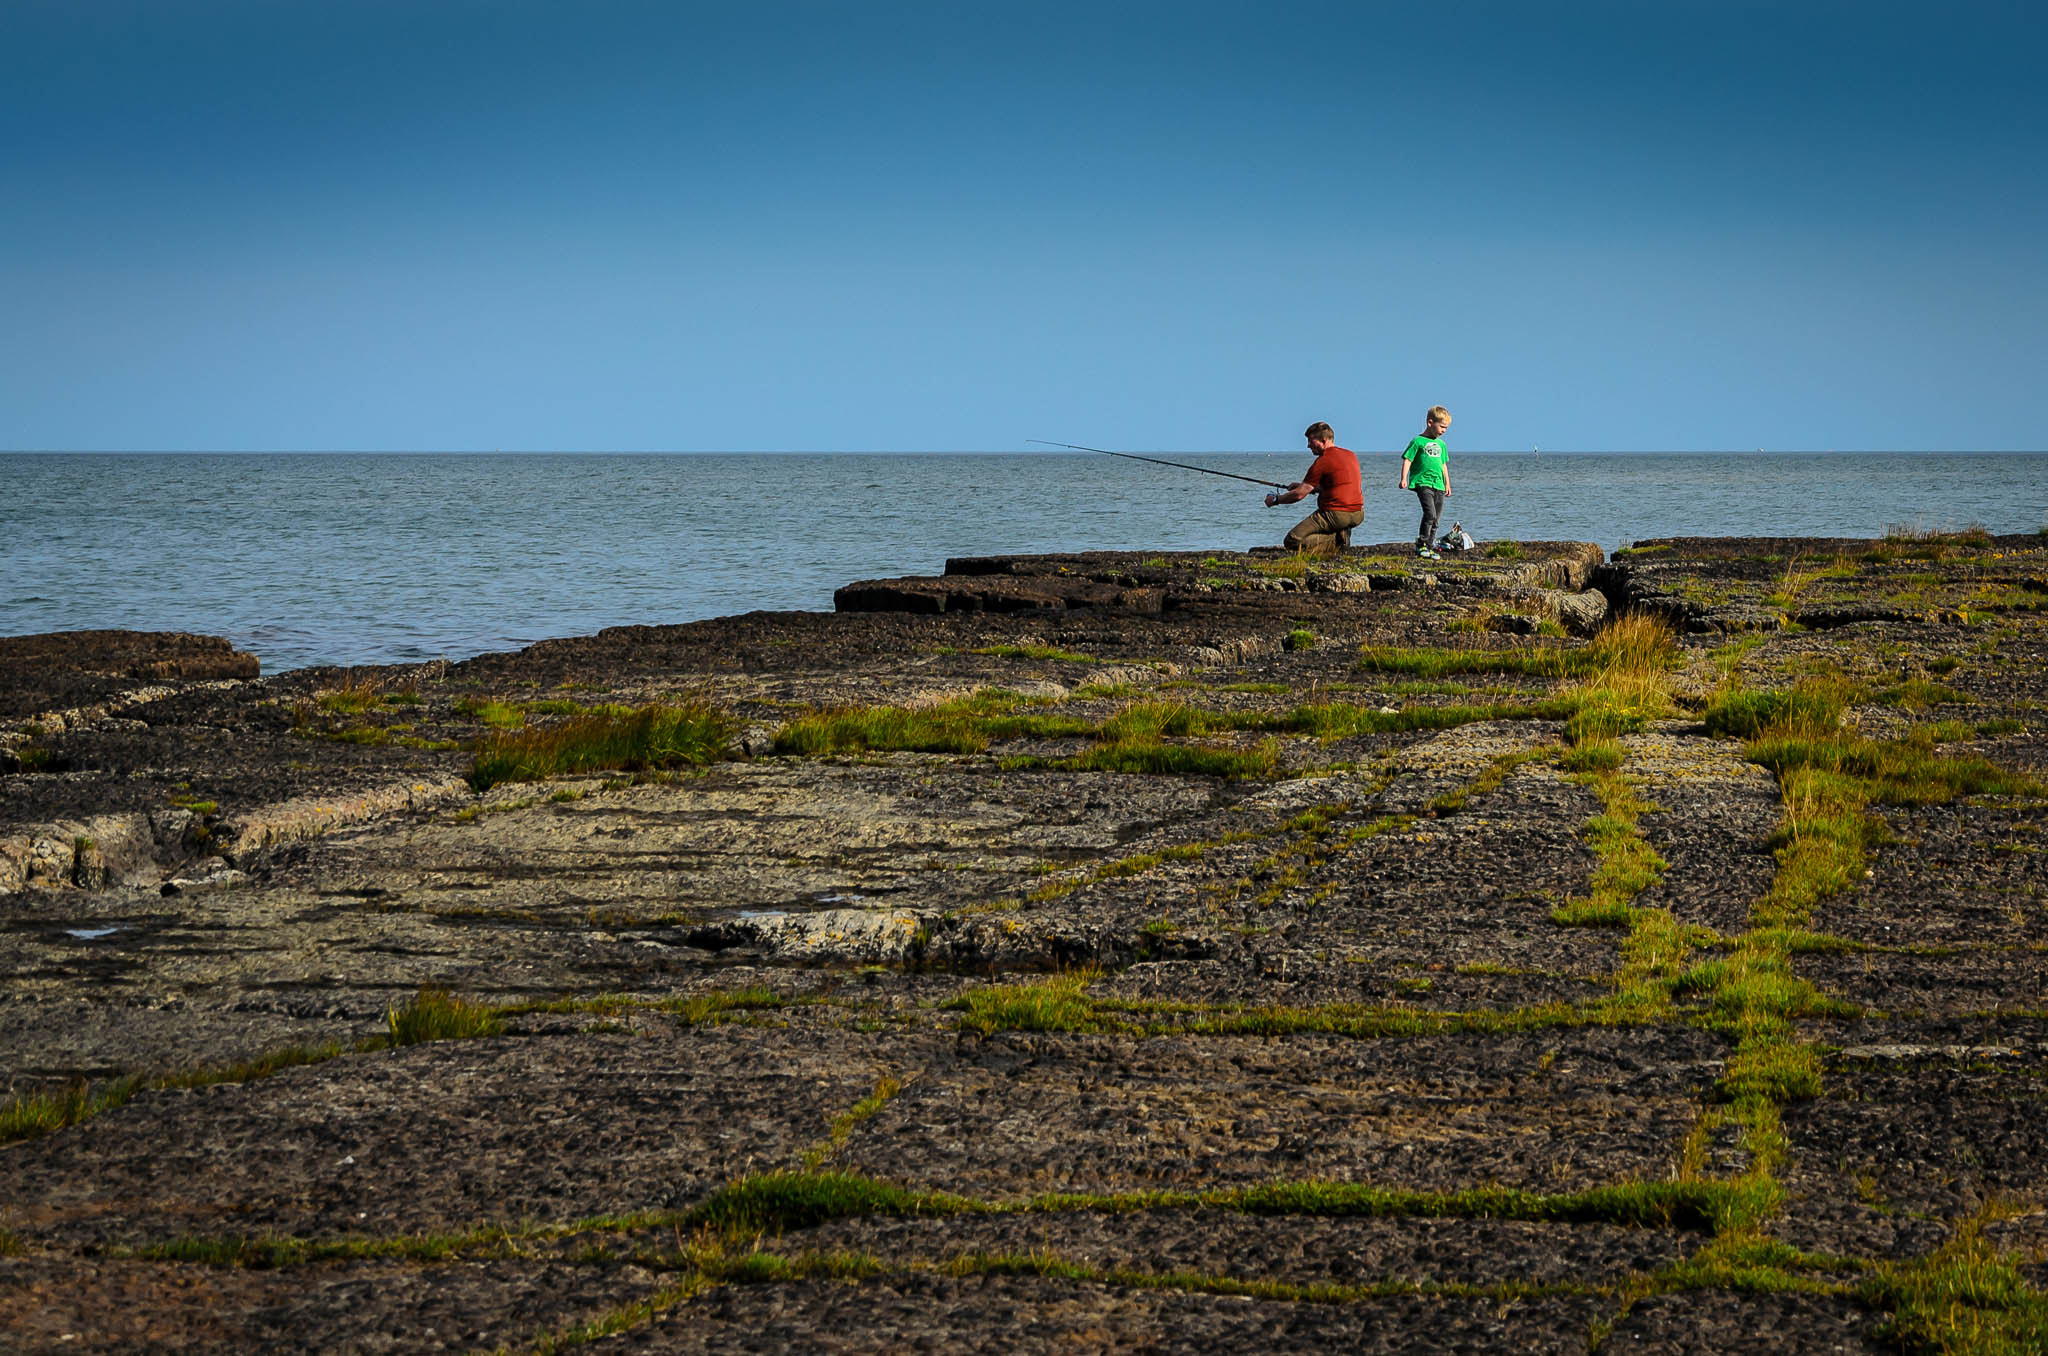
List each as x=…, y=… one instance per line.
x=1437, y=412
x=1320, y=431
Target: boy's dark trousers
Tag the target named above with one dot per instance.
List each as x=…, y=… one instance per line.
x=1432, y=509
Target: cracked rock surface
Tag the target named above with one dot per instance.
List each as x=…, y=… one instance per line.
x=1323, y=1012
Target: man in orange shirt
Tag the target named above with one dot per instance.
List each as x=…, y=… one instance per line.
x=1340, y=497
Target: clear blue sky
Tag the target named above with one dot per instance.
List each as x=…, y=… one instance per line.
x=491, y=224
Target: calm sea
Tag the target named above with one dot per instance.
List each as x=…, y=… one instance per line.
x=359, y=558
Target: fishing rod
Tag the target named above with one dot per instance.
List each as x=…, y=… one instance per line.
x=1076, y=447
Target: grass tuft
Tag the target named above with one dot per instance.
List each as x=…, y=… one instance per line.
x=41, y=1113
x=778, y=1201
x=657, y=736
x=1057, y=1004
x=353, y=696
x=1811, y=709
x=435, y=1015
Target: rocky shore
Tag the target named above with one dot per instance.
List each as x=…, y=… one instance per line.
x=1522, y=951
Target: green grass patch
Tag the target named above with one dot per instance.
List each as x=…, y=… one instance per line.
x=843, y=1125
x=964, y=725
x=1433, y=662
x=259, y=1252
x=1035, y=652
x=1809, y=709
x=1058, y=1004
x=436, y=1015
x=40, y=1113
x=887, y=729
x=1592, y=913
x=1603, y=721
x=649, y=737
x=1777, y=1070
x=1147, y=721
x=1754, y=995
x=352, y=698
x=1150, y=758
x=496, y=714
x=1917, y=694
x=1963, y=1297
x=1744, y=1261
x=1504, y=550
x=1900, y=772
x=780, y=1202
x=1592, y=755
x=263, y=1065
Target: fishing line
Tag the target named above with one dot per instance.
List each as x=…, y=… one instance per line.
x=1076, y=447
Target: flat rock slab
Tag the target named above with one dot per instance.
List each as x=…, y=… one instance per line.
x=992, y=594
x=449, y=1136
x=1026, y=1113
x=71, y=669
x=1911, y=1135
x=1806, y=1324
x=1015, y=1313
x=1293, y=1250
x=54, y=1303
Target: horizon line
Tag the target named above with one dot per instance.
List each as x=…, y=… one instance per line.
x=973, y=451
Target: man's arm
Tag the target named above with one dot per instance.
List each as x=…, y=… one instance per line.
x=1299, y=490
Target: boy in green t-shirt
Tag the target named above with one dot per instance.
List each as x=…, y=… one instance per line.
x=1425, y=470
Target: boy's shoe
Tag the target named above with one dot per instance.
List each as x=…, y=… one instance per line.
x=1424, y=553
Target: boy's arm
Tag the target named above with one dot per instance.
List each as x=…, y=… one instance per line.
x=1407, y=460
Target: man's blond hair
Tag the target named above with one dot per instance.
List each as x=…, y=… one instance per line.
x=1319, y=431
x=1437, y=412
